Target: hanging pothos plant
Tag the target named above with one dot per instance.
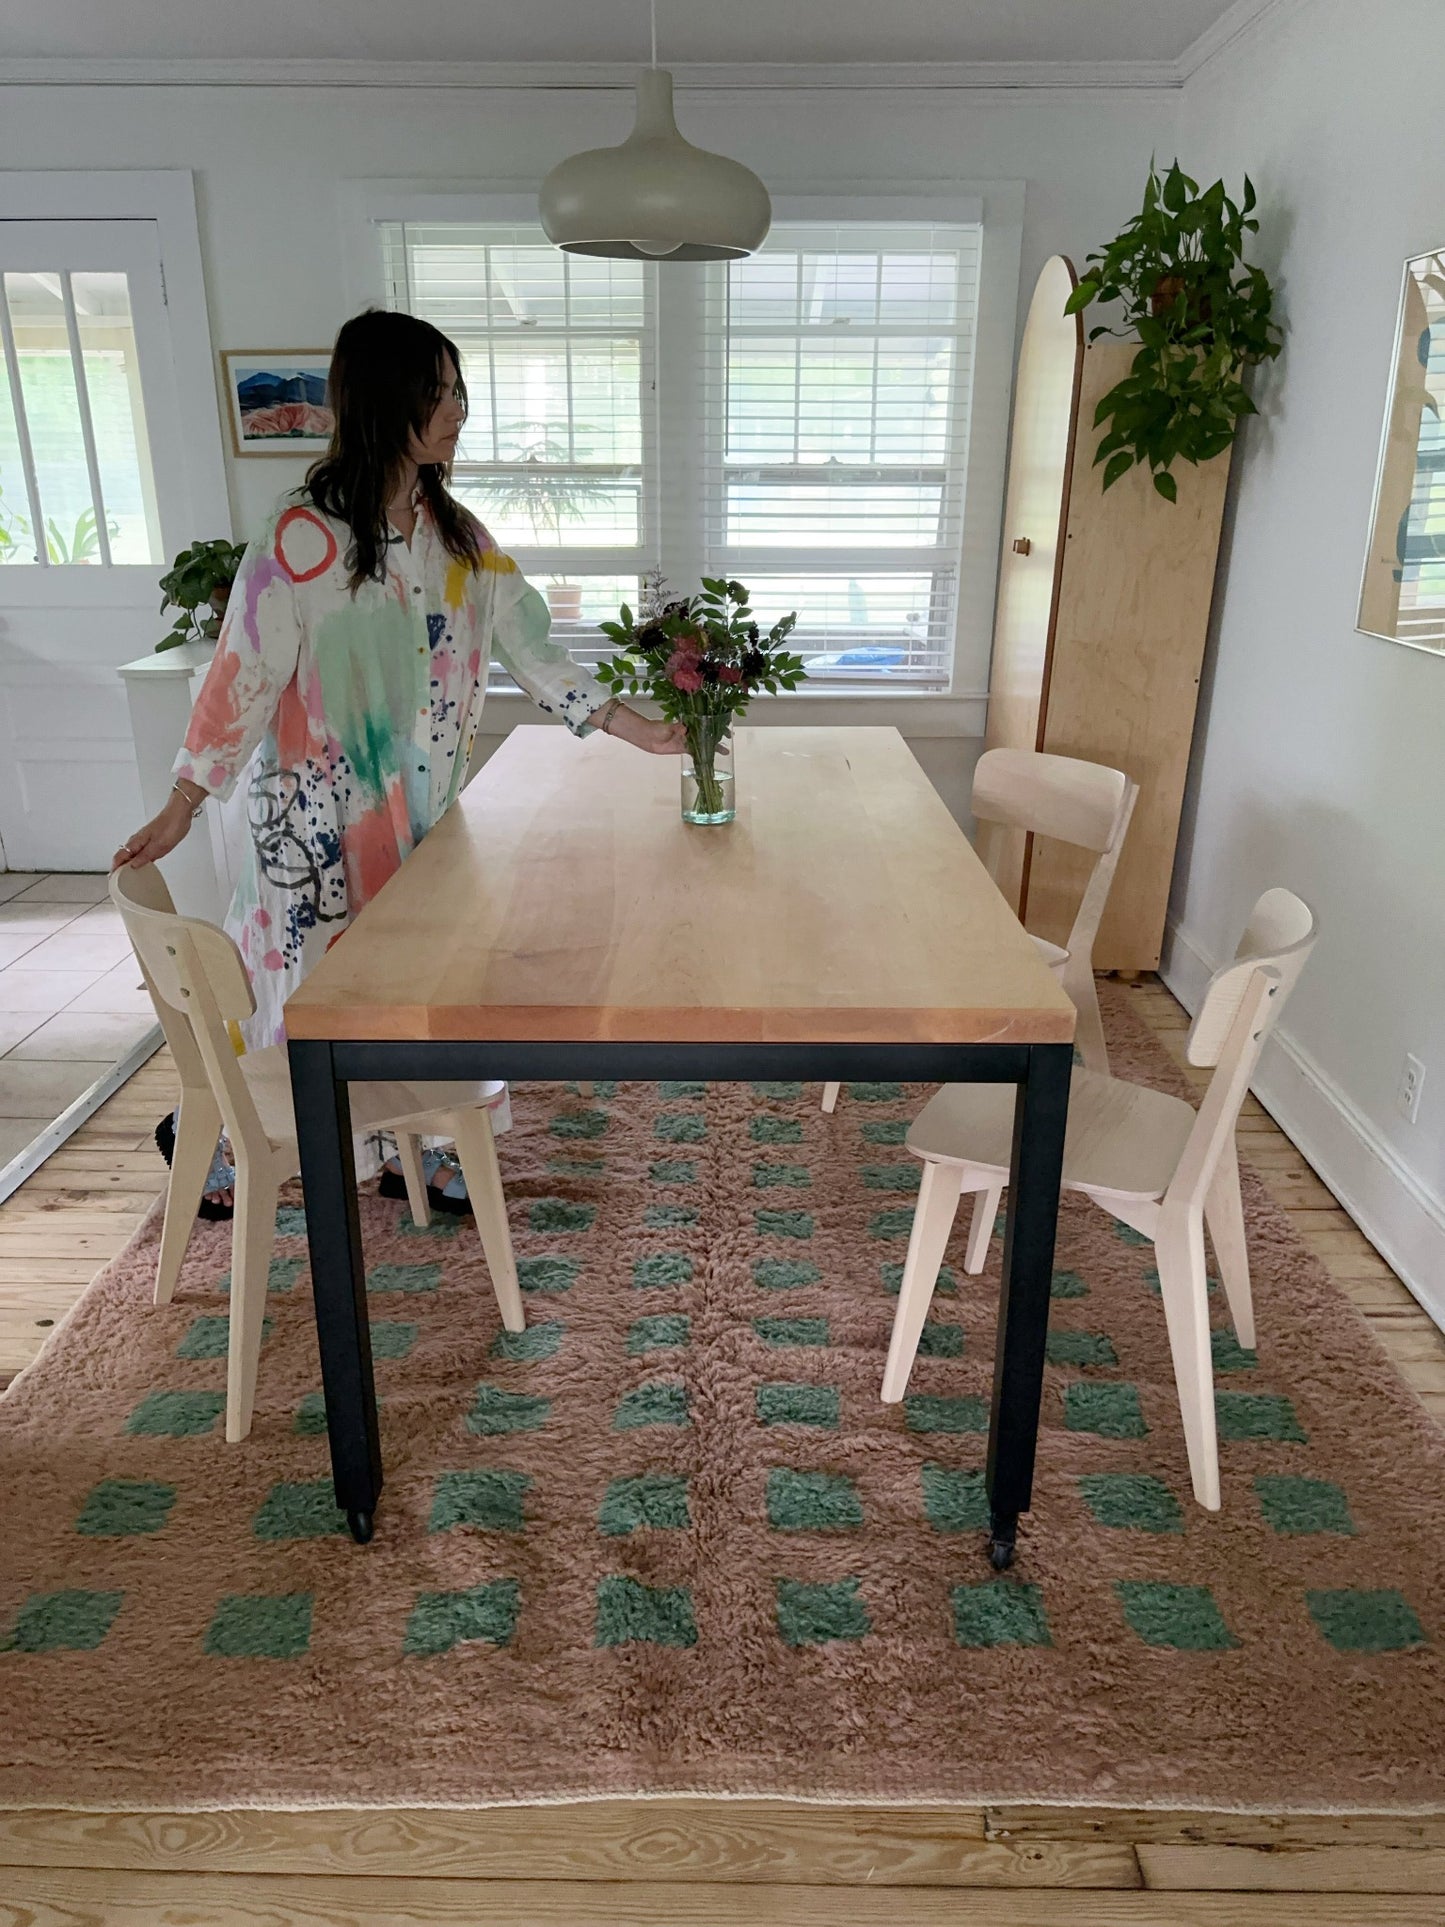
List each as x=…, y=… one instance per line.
x=1202, y=316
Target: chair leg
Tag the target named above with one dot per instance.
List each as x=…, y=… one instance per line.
x=253, y=1237
x=1089, y=1030
x=1184, y=1286
x=932, y=1221
x=408, y=1151
x=980, y=1230
x=477, y=1153
x=1224, y=1214
x=196, y=1135
x=830, y=1095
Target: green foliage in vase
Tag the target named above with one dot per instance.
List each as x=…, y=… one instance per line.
x=1202, y=316
x=701, y=660
x=199, y=578
x=700, y=656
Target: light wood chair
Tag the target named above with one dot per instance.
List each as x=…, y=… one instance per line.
x=1070, y=801
x=199, y=985
x=1142, y=1156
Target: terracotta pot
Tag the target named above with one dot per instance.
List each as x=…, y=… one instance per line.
x=218, y=598
x=1166, y=293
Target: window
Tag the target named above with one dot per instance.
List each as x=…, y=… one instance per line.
x=557, y=352
x=76, y=485
x=798, y=420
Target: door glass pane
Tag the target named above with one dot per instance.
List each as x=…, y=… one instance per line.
x=16, y=542
x=117, y=412
x=47, y=382
x=52, y=411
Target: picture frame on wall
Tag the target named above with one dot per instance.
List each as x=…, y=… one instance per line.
x=1402, y=591
x=276, y=400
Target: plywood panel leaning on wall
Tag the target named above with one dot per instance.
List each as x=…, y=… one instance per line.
x=1119, y=679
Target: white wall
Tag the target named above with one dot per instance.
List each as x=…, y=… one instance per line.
x=270, y=165
x=1320, y=756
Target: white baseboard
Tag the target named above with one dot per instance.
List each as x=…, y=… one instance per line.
x=1401, y=1216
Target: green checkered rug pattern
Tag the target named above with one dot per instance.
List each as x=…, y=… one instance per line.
x=669, y=1539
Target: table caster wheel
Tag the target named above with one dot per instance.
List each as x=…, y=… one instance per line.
x=362, y=1527
x=1003, y=1532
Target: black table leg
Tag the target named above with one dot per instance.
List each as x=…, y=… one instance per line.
x=338, y=1280
x=1040, y=1116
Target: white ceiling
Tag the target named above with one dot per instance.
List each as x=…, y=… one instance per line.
x=689, y=31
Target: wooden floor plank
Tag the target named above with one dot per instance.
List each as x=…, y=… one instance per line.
x=1349, y=1870
x=1175, y=1827
x=82, y=1898
x=649, y=1840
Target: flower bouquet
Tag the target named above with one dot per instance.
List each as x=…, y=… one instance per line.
x=702, y=660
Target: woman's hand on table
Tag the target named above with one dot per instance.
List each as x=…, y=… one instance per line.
x=160, y=836
x=657, y=738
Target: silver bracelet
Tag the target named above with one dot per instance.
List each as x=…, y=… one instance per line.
x=608, y=711
x=195, y=808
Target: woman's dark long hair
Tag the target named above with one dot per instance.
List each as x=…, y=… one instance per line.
x=385, y=384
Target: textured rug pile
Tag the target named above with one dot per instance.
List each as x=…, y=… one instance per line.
x=669, y=1539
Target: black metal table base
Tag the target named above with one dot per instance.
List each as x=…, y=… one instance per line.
x=321, y=1071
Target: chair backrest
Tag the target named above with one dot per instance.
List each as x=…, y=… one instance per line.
x=198, y=985
x=1059, y=796
x=1068, y=799
x=1239, y=1009
x=1278, y=937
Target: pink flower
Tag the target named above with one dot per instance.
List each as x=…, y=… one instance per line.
x=683, y=670
x=729, y=672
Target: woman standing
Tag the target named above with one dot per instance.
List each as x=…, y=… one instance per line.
x=353, y=663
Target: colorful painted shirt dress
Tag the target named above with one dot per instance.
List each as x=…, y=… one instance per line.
x=360, y=713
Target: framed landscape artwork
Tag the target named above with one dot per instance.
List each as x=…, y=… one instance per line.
x=276, y=398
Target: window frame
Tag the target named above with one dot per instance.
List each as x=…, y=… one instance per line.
x=998, y=206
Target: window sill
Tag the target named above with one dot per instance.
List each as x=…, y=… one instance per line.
x=917, y=714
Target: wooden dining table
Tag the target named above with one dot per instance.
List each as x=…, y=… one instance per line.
x=562, y=922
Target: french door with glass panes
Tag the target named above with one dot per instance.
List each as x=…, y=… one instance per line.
x=93, y=501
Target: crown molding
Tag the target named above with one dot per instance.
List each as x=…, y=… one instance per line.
x=601, y=76
x=1234, y=31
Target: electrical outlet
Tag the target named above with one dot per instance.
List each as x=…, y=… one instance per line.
x=1407, y=1094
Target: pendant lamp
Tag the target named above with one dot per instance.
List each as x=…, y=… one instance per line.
x=656, y=197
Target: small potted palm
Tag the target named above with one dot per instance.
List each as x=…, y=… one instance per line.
x=548, y=499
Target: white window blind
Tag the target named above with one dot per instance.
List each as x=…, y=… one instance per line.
x=838, y=382
x=557, y=454
x=809, y=436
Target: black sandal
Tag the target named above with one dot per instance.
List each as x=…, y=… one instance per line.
x=392, y=1184
x=210, y=1208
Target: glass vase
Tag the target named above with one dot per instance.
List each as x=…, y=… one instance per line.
x=707, y=776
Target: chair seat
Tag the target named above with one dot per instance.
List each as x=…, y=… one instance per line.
x=1053, y=954
x=1121, y=1137
x=412, y=1107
